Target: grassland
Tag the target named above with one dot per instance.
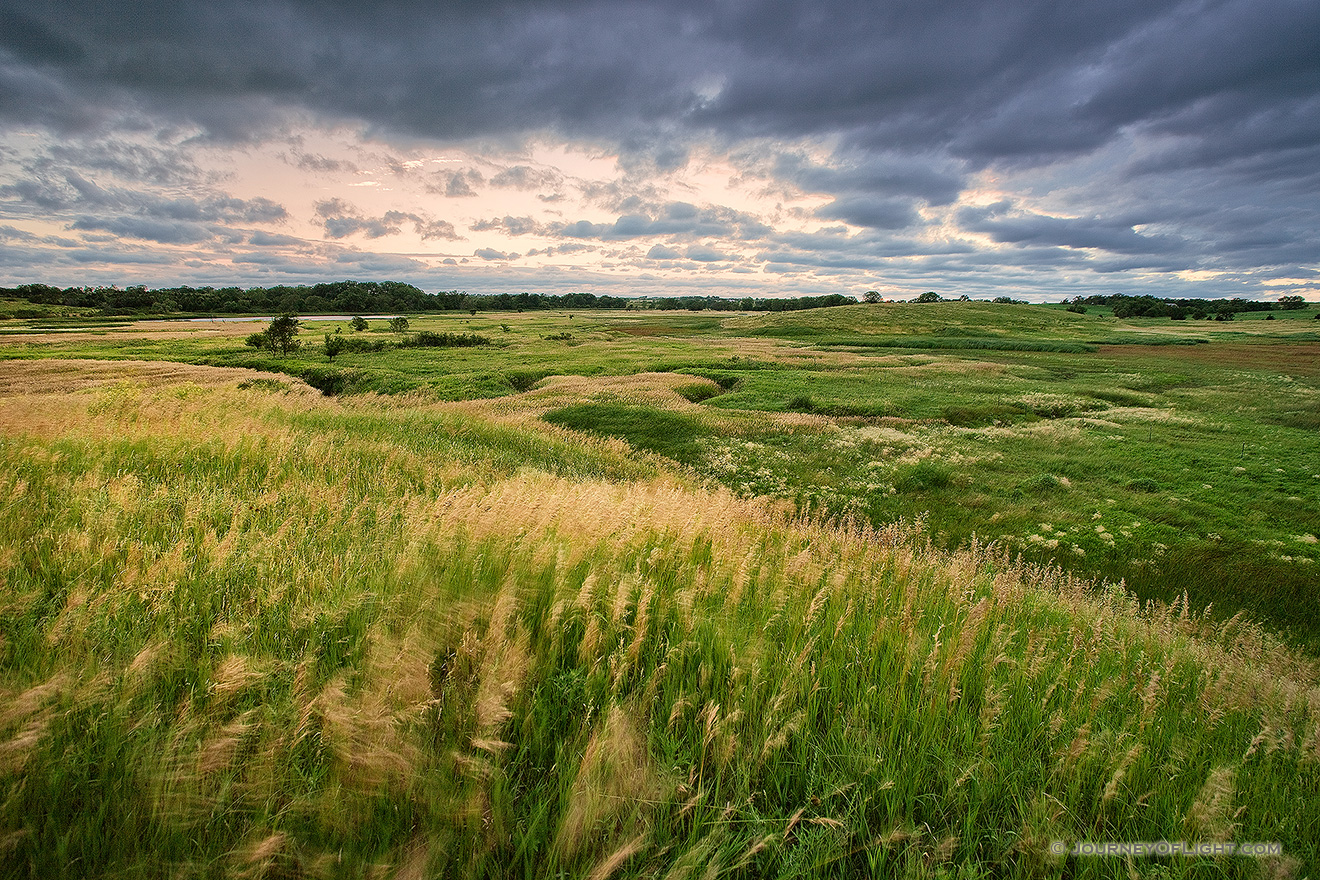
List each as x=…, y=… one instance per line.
x=1174, y=456
x=664, y=598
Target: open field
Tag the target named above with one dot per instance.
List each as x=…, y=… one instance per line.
x=1175, y=456
x=626, y=594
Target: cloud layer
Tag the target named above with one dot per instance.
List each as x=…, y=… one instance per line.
x=980, y=146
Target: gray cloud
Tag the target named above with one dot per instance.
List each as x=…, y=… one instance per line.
x=877, y=212
x=456, y=184
x=342, y=219
x=1021, y=227
x=673, y=219
x=1147, y=123
x=527, y=178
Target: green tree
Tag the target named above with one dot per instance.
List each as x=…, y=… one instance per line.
x=871, y=296
x=358, y=323
x=929, y=296
x=283, y=335
x=399, y=324
x=1288, y=303
x=333, y=346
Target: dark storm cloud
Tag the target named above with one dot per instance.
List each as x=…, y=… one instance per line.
x=872, y=211
x=935, y=182
x=1023, y=227
x=987, y=78
x=1209, y=103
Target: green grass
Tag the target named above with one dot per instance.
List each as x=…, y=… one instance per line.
x=251, y=633
x=1031, y=424
x=655, y=430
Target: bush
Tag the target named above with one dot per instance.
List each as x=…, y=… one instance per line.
x=333, y=346
x=358, y=323
x=399, y=324
x=329, y=381
x=357, y=346
x=429, y=339
x=279, y=338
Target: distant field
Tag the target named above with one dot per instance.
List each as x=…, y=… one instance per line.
x=650, y=595
x=1176, y=456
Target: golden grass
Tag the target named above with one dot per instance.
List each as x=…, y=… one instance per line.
x=619, y=554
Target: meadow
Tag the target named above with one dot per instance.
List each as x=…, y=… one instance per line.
x=641, y=594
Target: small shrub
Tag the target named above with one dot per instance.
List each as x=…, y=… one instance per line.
x=328, y=381
x=399, y=324
x=333, y=346
x=358, y=345
x=358, y=323
x=430, y=339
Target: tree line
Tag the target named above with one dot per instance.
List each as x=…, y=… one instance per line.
x=369, y=297
x=1127, y=306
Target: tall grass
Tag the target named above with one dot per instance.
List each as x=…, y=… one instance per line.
x=246, y=633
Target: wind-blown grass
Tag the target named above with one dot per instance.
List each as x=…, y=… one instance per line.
x=253, y=633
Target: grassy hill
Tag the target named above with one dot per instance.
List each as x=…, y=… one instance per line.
x=251, y=631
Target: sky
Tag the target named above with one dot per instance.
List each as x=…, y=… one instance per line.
x=1038, y=150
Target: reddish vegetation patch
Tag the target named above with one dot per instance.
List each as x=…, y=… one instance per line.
x=1293, y=359
x=651, y=330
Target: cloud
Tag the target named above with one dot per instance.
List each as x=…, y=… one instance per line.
x=341, y=219
x=1023, y=227
x=1137, y=136
x=673, y=219
x=660, y=252
x=872, y=211
x=509, y=225
x=456, y=184
x=524, y=177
